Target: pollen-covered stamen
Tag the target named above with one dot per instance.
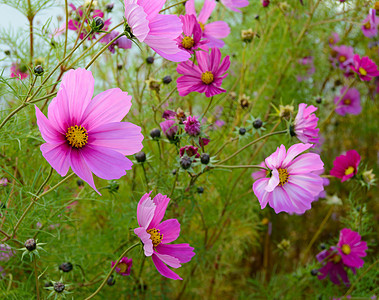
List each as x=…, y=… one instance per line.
x=155, y=236
x=349, y=170
x=77, y=136
x=362, y=71
x=342, y=58
x=188, y=42
x=336, y=259
x=202, y=26
x=283, y=176
x=207, y=77
x=346, y=249
x=123, y=267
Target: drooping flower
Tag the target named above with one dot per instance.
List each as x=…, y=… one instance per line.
x=342, y=57
x=206, y=77
x=370, y=24
x=124, y=266
x=156, y=235
x=234, y=5
x=333, y=39
x=192, y=126
x=333, y=266
x=292, y=186
x=351, y=248
x=169, y=128
x=191, y=38
x=77, y=14
x=88, y=135
x=305, y=124
x=19, y=71
x=364, y=67
x=350, y=103
x=346, y=166
x=122, y=42
x=213, y=32
x=189, y=151
x=158, y=31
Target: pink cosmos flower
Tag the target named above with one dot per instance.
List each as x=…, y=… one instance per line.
x=292, y=186
x=350, y=102
x=124, y=266
x=77, y=13
x=342, y=57
x=3, y=181
x=192, y=126
x=190, y=151
x=333, y=266
x=159, y=32
x=370, y=24
x=19, y=71
x=333, y=39
x=214, y=31
x=351, y=248
x=364, y=67
x=206, y=77
x=156, y=235
x=235, y=4
x=169, y=128
x=191, y=38
x=346, y=166
x=305, y=124
x=265, y=3
x=261, y=173
x=88, y=135
x=122, y=42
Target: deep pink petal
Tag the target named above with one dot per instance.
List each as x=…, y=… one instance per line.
x=170, y=229
x=58, y=156
x=181, y=251
x=161, y=202
x=49, y=132
x=80, y=168
x=164, y=270
x=169, y=260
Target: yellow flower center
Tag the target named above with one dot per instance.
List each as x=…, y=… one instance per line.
x=347, y=101
x=336, y=259
x=342, y=58
x=207, y=77
x=346, y=249
x=349, y=170
x=331, y=41
x=155, y=236
x=367, y=25
x=188, y=42
x=283, y=176
x=77, y=136
x=362, y=71
x=123, y=267
x=202, y=25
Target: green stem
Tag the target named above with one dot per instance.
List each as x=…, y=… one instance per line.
x=252, y=143
x=36, y=276
x=360, y=277
x=66, y=29
x=111, y=271
x=207, y=108
x=167, y=8
x=241, y=166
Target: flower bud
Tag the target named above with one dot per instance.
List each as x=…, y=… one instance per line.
x=109, y=7
x=111, y=281
x=205, y=158
x=167, y=79
x=140, y=156
x=119, y=67
x=150, y=60
x=155, y=133
x=80, y=182
x=200, y=190
x=256, y=17
x=97, y=24
x=247, y=35
x=242, y=131
x=59, y=287
x=30, y=244
x=318, y=100
x=257, y=123
x=323, y=246
x=66, y=267
x=173, y=172
x=7, y=52
x=185, y=162
x=314, y=272
x=38, y=70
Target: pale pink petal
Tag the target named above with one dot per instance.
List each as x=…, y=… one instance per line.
x=206, y=11
x=137, y=19
x=161, y=202
x=273, y=181
x=169, y=260
x=310, y=182
x=305, y=163
x=80, y=168
x=164, y=270
x=170, y=229
x=145, y=238
x=109, y=106
x=58, y=156
x=49, y=133
x=294, y=151
x=151, y=7
x=260, y=192
x=58, y=112
x=145, y=211
x=300, y=198
x=274, y=161
x=190, y=7
x=122, y=137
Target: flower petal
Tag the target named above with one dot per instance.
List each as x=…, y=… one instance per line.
x=80, y=168
x=184, y=252
x=58, y=156
x=145, y=211
x=164, y=270
x=161, y=202
x=170, y=229
x=145, y=238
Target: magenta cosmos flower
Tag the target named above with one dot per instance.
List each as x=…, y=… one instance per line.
x=169, y=128
x=122, y=42
x=203, y=78
x=192, y=126
x=191, y=38
x=124, y=266
x=364, y=67
x=351, y=248
x=19, y=71
x=88, y=135
x=214, y=31
x=370, y=24
x=333, y=266
x=156, y=235
x=346, y=166
x=159, y=32
x=305, y=124
x=350, y=103
x=234, y=5
x=292, y=186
